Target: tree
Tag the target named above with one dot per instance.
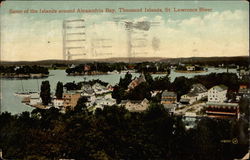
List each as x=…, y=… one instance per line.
x=140, y=92
x=124, y=82
x=118, y=93
x=181, y=85
x=161, y=83
x=45, y=92
x=59, y=90
x=81, y=106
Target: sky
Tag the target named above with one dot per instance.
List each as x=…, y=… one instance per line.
x=221, y=31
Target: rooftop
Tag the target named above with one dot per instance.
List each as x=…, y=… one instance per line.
x=223, y=104
x=168, y=94
x=198, y=88
x=220, y=87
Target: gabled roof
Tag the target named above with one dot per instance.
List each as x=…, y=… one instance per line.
x=168, y=94
x=198, y=88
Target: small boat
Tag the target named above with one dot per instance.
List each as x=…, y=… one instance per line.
x=24, y=93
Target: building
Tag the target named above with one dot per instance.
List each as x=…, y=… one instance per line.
x=197, y=92
x=244, y=72
x=222, y=110
x=35, y=99
x=217, y=94
x=70, y=99
x=190, y=68
x=87, y=90
x=136, y=82
x=136, y=105
x=100, y=89
x=57, y=103
x=154, y=93
x=243, y=89
x=169, y=100
x=168, y=97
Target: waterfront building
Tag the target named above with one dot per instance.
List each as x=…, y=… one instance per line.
x=87, y=90
x=35, y=99
x=57, y=103
x=70, y=99
x=190, y=68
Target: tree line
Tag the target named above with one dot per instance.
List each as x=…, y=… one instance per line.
x=24, y=69
x=146, y=67
x=180, y=85
x=116, y=133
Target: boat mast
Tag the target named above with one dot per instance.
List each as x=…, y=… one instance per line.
x=22, y=85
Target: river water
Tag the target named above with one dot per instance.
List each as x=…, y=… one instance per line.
x=12, y=104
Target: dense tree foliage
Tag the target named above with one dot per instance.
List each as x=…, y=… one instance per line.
x=24, y=69
x=115, y=133
x=145, y=67
x=59, y=90
x=72, y=86
x=45, y=92
x=152, y=67
x=77, y=86
x=124, y=82
x=99, y=67
x=229, y=79
x=181, y=86
x=140, y=92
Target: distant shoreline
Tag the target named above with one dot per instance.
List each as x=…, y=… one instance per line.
x=130, y=60
x=179, y=71
x=27, y=76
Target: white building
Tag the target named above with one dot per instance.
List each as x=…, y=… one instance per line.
x=217, y=94
x=197, y=92
x=35, y=99
x=190, y=68
x=57, y=103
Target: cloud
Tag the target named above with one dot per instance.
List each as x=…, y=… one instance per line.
x=214, y=34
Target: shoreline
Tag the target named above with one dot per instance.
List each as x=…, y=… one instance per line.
x=179, y=71
x=24, y=76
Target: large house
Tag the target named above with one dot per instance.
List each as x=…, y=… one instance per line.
x=136, y=82
x=87, y=90
x=135, y=106
x=197, y=92
x=70, y=99
x=169, y=99
x=217, y=94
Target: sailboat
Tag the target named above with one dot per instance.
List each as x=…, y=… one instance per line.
x=24, y=93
